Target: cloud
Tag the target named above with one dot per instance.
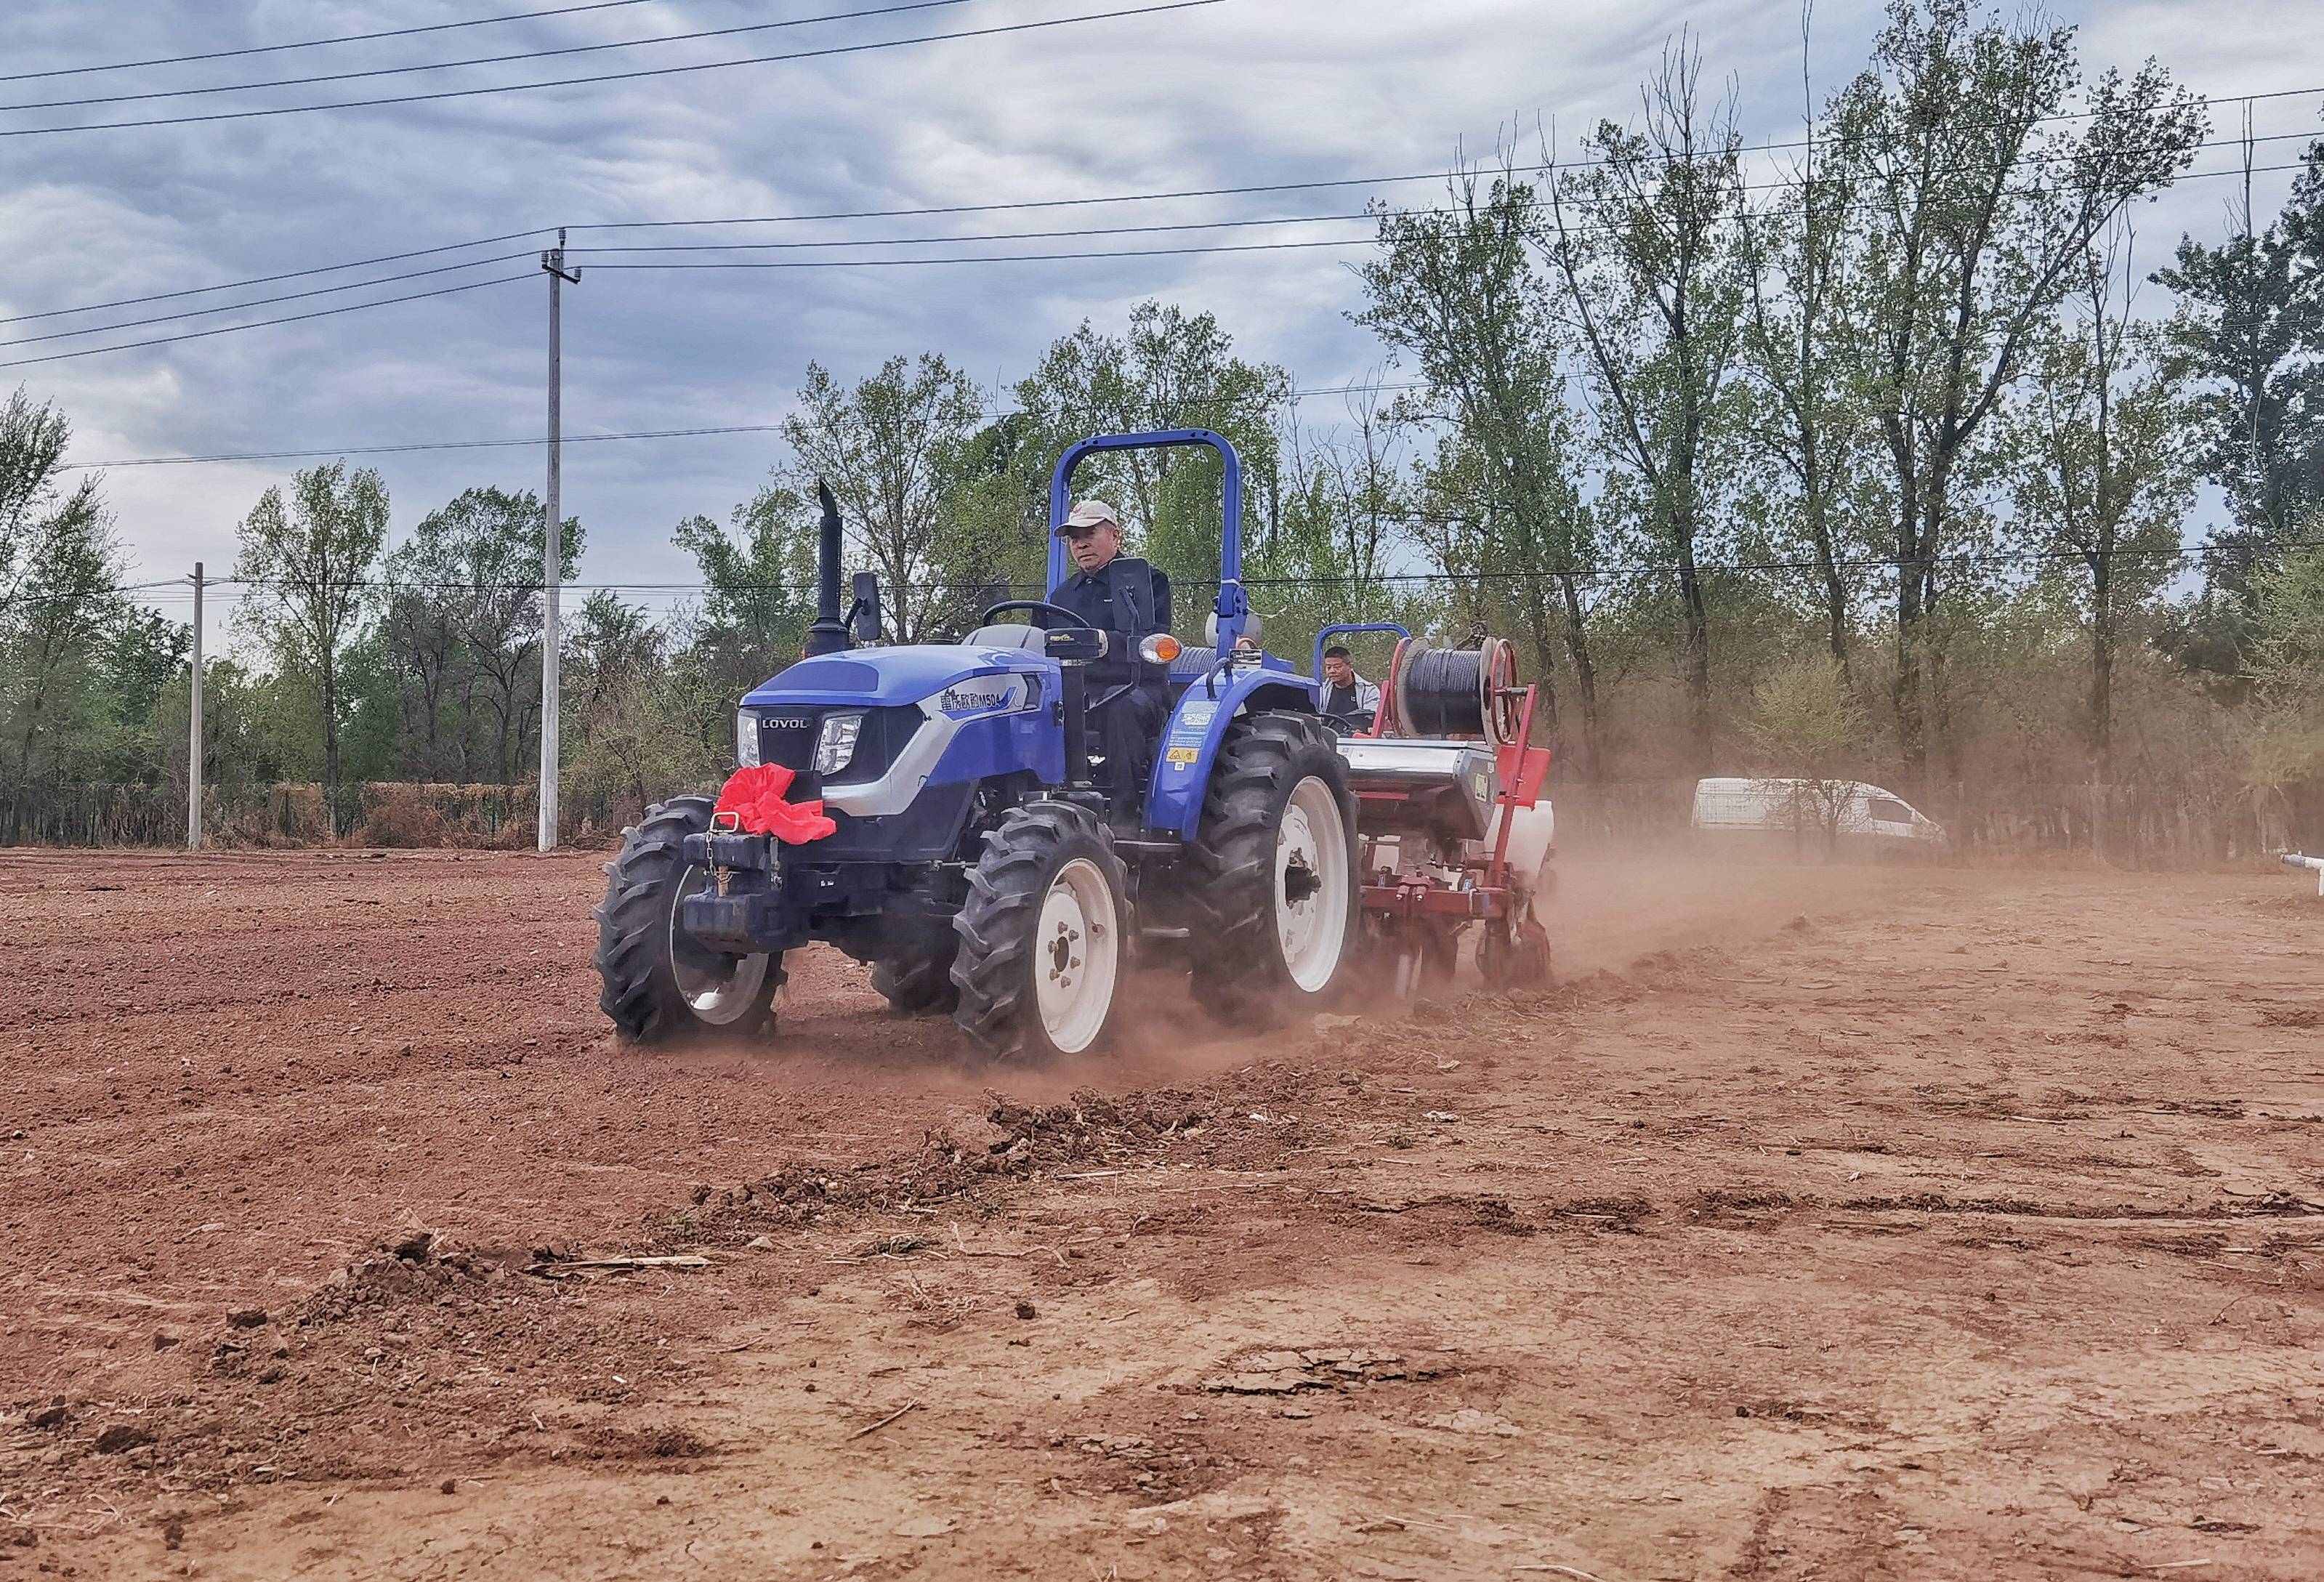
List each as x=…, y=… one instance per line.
x=1247, y=91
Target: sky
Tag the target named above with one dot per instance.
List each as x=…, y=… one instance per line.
x=1215, y=94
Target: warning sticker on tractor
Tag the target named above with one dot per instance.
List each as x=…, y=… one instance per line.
x=1193, y=722
x=1184, y=757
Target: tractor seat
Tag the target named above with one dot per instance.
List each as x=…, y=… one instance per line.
x=1014, y=635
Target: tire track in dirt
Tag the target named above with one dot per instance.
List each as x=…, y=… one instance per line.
x=1720, y=1266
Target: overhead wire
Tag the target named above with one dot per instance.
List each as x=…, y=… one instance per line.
x=930, y=211
x=321, y=269
x=721, y=32
x=438, y=95
x=233, y=586
x=435, y=445
x=802, y=263
x=98, y=329
x=262, y=324
x=393, y=32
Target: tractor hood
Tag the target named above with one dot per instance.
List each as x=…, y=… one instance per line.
x=887, y=677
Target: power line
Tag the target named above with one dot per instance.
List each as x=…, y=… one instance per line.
x=463, y=93
x=1091, y=231
x=435, y=444
x=394, y=32
x=804, y=263
x=237, y=87
x=321, y=269
x=197, y=335
x=1247, y=189
x=1482, y=575
x=920, y=212
x=997, y=236
x=995, y=257
x=98, y=329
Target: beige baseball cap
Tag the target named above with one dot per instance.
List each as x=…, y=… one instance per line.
x=1089, y=513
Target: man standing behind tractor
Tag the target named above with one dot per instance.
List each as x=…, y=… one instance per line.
x=1131, y=600
x=1348, y=699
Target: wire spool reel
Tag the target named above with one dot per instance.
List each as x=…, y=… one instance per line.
x=1454, y=692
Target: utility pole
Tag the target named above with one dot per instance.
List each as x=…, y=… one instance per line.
x=552, y=560
x=194, y=728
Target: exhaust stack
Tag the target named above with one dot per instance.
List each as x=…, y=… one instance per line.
x=828, y=635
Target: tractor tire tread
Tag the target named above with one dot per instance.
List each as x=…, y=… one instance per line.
x=1230, y=898
x=995, y=925
x=636, y=994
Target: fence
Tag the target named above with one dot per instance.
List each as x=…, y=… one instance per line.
x=373, y=814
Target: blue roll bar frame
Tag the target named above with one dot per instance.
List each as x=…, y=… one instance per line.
x=1231, y=605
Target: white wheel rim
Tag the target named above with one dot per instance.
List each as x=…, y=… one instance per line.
x=716, y=999
x=1311, y=885
x=1076, y=956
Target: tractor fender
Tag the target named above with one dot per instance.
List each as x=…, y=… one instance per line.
x=1190, y=742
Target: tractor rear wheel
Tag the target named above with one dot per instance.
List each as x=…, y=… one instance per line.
x=657, y=982
x=1044, y=936
x=918, y=981
x=1271, y=894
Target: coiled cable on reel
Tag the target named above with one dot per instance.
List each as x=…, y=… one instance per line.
x=1454, y=692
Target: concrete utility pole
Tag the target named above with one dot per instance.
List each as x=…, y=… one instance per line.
x=194, y=728
x=553, y=562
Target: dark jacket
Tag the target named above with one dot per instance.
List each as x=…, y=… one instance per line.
x=1129, y=599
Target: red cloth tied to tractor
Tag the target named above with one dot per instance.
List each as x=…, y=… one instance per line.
x=751, y=802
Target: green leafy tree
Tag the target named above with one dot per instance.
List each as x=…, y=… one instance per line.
x=1797, y=248
x=1646, y=240
x=888, y=450
x=309, y=560
x=634, y=737
x=2249, y=329
x=1456, y=291
x=1171, y=370
x=61, y=605
x=1982, y=185
x=760, y=573
x=2107, y=476
x=463, y=621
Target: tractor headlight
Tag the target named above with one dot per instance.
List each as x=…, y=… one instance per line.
x=746, y=739
x=836, y=742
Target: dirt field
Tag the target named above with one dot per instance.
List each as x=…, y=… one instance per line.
x=1826, y=1223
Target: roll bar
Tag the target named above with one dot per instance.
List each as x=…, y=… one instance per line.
x=1330, y=632
x=1231, y=605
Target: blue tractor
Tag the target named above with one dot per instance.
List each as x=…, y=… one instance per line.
x=975, y=860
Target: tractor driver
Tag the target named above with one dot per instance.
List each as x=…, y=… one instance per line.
x=1131, y=601
x=1348, y=697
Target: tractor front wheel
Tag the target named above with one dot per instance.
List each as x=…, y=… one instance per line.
x=658, y=982
x=1272, y=893
x=1044, y=936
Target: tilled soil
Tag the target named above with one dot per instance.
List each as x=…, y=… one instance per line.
x=1825, y=1222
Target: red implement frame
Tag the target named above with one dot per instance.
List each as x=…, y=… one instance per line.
x=1522, y=769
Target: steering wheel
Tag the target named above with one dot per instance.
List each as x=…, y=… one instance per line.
x=1036, y=607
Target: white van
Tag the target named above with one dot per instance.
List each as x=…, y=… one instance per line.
x=1807, y=809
